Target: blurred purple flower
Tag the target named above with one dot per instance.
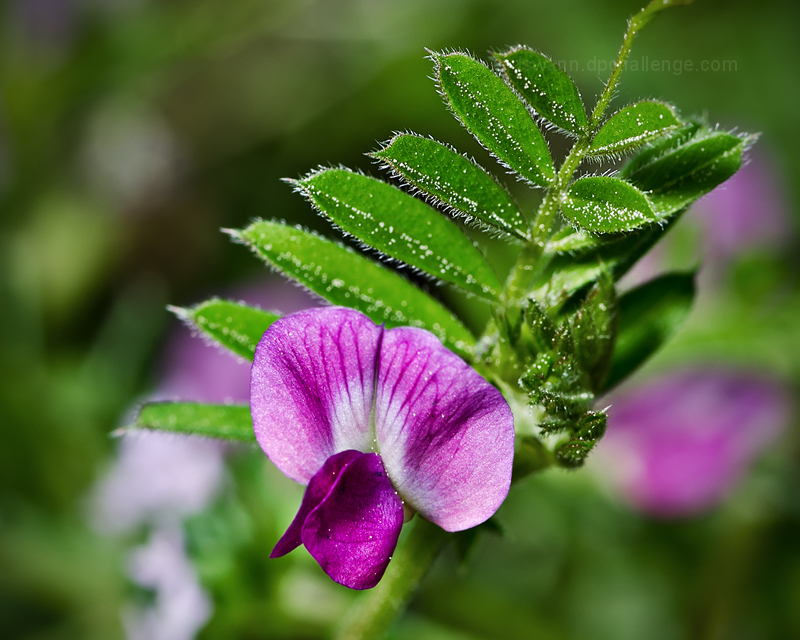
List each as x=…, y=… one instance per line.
x=372, y=419
x=678, y=444
x=158, y=478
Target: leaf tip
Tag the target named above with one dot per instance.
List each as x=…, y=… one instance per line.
x=181, y=312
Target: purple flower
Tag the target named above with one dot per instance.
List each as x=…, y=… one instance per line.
x=372, y=420
x=677, y=445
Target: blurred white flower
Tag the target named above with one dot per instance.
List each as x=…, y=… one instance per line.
x=158, y=479
x=181, y=607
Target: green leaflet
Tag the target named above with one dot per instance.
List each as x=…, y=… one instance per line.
x=454, y=181
x=634, y=126
x=401, y=226
x=346, y=278
x=602, y=204
x=649, y=315
x=225, y=421
x=546, y=88
x=678, y=170
x=674, y=171
x=233, y=325
x=491, y=112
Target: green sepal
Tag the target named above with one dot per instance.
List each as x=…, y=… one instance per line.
x=634, y=126
x=649, y=316
x=401, y=226
x=546, y=88
x=233, y=325
x=493, y=114
x=223, y=421
x=347, y=278
x=594, y=329
x=686, y=165
x=454, y=181
x=602, y=204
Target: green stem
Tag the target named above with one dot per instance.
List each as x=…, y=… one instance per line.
x=634, y=26
x=543, y=226
x=528, y=262
x=375, y=611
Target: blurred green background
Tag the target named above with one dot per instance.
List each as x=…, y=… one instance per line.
x=131, y=131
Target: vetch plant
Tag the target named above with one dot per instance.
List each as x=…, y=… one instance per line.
x=383, y=420
x=393, y=405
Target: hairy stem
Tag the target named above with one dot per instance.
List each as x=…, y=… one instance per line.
x=376, y=609
x=634, y=26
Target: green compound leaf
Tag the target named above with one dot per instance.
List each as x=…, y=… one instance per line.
x=594, y=329
x=601, y=204
x=454, y=181
x=649, y=315
x=492, y=113
x=678, y=170
x=401, y=226
x=225, y=421
x=546, y=88
x=634, y=126
x=346, y=278
x=237, y=327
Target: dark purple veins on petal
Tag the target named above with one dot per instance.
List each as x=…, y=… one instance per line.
x=353, y=530
x=318, y=487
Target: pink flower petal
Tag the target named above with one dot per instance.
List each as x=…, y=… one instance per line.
x=311, y=388
x=446, y=435
x=317, y=490
x=353, y=531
